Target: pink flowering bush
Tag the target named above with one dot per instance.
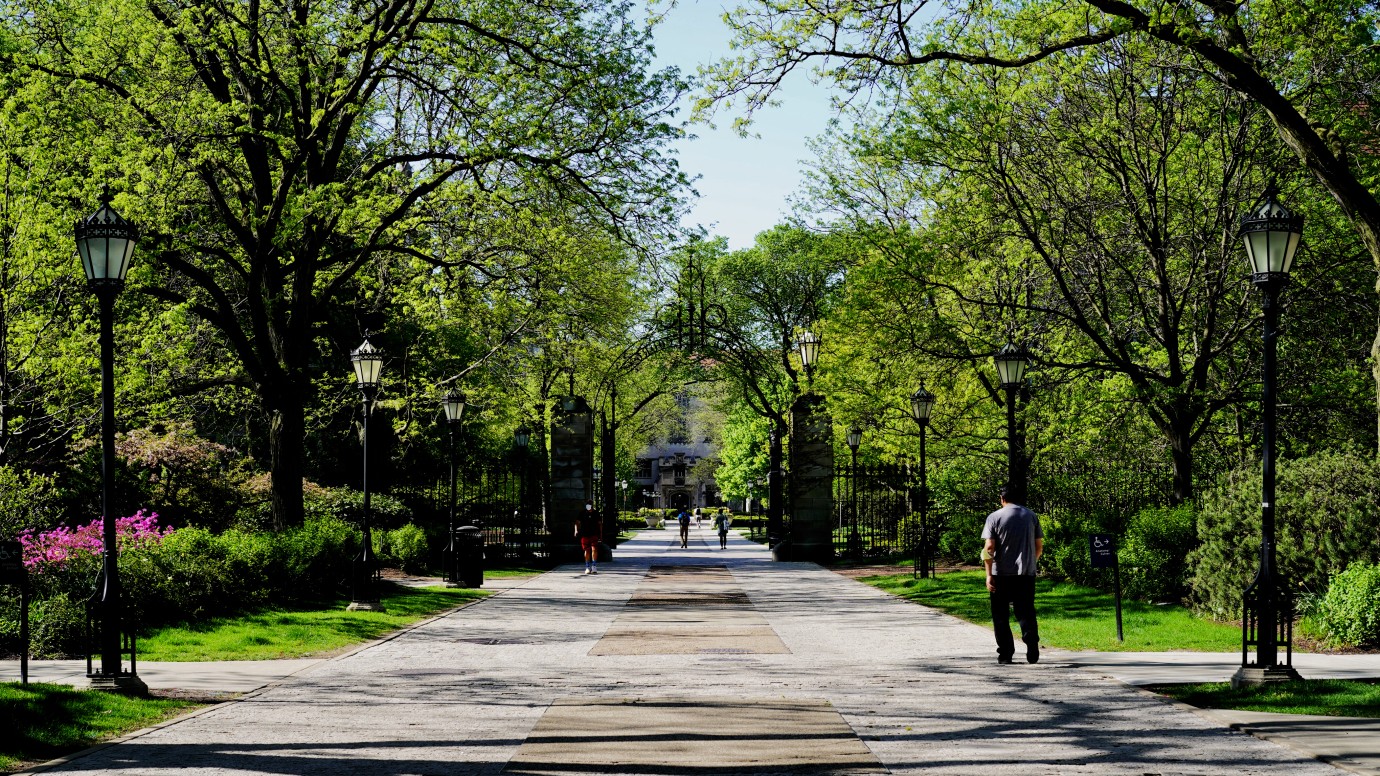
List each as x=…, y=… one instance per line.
x=170, y=576
x=62, y=547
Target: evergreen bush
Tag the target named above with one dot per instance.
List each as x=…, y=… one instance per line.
x=1350, y=611
x=1153, y=553
x=1326, y=508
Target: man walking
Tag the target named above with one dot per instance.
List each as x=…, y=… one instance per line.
x=588, y=530
x=721, y=525
x=1014, y=543
x=684, y=519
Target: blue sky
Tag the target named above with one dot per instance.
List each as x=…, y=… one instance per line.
x=744, y=182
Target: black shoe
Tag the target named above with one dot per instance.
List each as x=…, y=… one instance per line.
x=1003, y=660
x=1032, y=654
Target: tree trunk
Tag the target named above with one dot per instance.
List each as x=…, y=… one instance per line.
x=1181, y=459
x=287, y=449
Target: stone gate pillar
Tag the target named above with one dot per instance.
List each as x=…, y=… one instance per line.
x=811, y=482
x=572, y=473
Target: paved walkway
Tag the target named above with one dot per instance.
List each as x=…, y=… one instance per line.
x=695, y=661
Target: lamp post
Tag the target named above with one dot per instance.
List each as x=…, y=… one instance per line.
x=921, y=405
x=368, y=365
x=808, y=344
x=623, y=486
x=453, y=405
x=854, y=440
x=1011, y=362
x=522, y=437
x=105, y=242
x=1271, y=234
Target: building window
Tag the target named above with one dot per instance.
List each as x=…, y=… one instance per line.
x=643, y=469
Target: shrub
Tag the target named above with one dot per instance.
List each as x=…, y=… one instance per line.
x=348, y=505
x=1326, y=509
x=188, y=479
x=1350, y=611
x=27, y=500
x=1153, y=553
x=960, y=539
x=406, y=546
x=58, y=626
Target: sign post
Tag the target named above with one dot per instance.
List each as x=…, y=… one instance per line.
x=12, y=572
x=1103, y=549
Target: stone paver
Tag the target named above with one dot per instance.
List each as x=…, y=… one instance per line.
x=918, y=689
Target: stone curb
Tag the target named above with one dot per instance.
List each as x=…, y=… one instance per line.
x=65, y=759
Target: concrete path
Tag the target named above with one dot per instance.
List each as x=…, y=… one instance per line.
x=548, y=678
x=1145, y=668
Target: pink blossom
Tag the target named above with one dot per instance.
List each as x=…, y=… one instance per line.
x=52, y=550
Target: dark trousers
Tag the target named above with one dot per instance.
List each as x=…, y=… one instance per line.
x=1014, y=593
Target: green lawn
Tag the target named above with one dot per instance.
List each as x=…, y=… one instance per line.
x=45, y=721
x=309, y=630
x=1072, y=616
x=516, y=571
x=1326, y=697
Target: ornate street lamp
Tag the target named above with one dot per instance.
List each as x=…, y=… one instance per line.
x=1271, y=234
x=368, y=365
x=854, y=440
x=921, y=405
x=453, y=405
x=808, y=344
x=105, y=242
x=1011, y=363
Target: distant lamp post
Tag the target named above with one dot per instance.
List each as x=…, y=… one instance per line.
x=522, y=437
x=368, y=365
x=623, y=485
x=854, y=440
x=105, y=242
x=1271, y=234
x=1011, y=363
x=921, y=405
x=453, y=405
x=808, y=344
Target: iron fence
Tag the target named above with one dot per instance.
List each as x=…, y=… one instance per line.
x=876, y=509
x=501, y=497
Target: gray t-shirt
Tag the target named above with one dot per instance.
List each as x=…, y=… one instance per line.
x=1014, y=529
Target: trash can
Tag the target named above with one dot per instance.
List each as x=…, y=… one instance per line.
x=469, y=556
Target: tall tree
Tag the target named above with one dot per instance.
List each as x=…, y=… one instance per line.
x=1311, y=65
x=279, y=148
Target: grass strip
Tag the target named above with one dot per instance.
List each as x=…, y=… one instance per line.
x=1072, y=616
x=309, y=630
x=1323, y=697
x=46, y=721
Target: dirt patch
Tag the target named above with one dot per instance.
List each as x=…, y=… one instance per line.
x=882, y=569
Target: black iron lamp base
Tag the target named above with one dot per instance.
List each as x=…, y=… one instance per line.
x=1252, y=675
x=124, y=683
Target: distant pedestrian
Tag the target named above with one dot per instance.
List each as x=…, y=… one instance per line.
x=721, y=524
x=1014, y=543
x=589, y=531
x=684, y=519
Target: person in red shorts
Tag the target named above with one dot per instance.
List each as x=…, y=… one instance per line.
x=587, y=530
